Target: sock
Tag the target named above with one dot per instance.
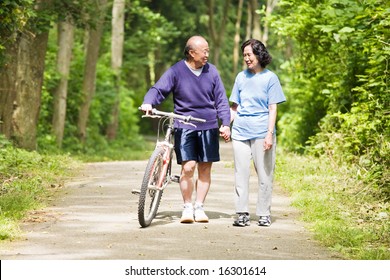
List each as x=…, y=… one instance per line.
x=198, y=204
x=188, y=205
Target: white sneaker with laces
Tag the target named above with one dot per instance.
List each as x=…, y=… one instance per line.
x=188, y=214
x=264, y=221
x=200, y=215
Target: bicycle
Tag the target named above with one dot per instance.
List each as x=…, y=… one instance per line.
x=158, y=170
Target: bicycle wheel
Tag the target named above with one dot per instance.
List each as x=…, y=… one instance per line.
x=150, y=196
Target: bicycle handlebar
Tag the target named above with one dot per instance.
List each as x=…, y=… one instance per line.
x=176, y=116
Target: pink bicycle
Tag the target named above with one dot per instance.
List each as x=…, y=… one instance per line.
x=158, y=170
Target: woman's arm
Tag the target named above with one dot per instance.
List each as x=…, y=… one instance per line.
x=233, y=112
x=271, y=126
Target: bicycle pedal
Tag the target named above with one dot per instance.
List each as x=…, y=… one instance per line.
x=175, y=178
x=136, y=192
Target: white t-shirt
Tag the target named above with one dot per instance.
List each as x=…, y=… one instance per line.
x=197, y=72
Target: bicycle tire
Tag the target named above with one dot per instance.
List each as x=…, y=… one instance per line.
x=149, y=199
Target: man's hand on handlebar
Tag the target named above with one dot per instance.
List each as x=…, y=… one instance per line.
x=153, y=112
x=147, y=108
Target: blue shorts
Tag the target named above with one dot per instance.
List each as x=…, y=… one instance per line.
x=197, y=145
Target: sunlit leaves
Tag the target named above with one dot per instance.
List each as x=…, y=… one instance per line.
x=344, y=46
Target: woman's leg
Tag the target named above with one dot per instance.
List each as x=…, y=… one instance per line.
x=264, y=162
x=242, y=161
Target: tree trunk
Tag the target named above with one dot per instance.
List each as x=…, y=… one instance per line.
x=248, y=28
x=92, y=55
x=8, y=88
x=271, y=4
x=23, y=78
x=117, y=40
x=30, y=70
x=64, y=55
x=236, y=50
x=256, y=30
x=217, y=36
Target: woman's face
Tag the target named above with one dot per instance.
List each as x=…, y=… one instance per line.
x=250, y=59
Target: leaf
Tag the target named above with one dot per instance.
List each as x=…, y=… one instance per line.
x=336, y=37
x=327, y=28
x=346, y=30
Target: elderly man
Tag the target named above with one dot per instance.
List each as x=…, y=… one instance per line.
x=198, y=91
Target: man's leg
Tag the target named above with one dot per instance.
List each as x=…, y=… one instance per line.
x=187, y=187
x=202, y=188
x=203, y=182
x=187, y=180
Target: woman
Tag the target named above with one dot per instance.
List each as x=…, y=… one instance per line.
x=255, y=96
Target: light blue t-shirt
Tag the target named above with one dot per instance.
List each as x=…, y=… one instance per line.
x=253, y=93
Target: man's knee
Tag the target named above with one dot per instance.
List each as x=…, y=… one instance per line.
x=188, y=168
x=204, y=170
x=205, y=166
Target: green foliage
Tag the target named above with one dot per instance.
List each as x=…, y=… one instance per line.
x=97, y=146
x=152, y=31
x=78, y=11
x=14, y=15
x=338, y=91
x=159, y=30
x=26, y=179
x=146, y=31
x=361, y=135
x=337, y=205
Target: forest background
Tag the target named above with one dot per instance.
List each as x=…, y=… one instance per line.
x=73, y=73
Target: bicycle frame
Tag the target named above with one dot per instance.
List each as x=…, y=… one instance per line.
x=168, y=146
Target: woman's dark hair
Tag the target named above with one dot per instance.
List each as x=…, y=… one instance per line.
x=259, y=50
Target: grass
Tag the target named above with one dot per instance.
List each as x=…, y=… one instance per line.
x=27, y=179
x=344, y=214
x=138, y=148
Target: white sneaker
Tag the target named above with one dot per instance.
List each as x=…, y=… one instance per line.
x=200, y=215
x=188, y=214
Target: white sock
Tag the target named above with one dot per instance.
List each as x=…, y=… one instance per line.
x=198, y=204
x=188, y=205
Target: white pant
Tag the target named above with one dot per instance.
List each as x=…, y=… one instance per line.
x=264, y=162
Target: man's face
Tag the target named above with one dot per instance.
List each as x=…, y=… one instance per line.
x=200, y=54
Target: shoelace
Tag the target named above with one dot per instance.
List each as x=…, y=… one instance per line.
x=264, y=219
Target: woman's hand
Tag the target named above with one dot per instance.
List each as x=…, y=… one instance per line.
x=268, y=141
x=224, y=132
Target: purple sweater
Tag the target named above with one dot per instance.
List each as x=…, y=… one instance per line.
x=201, y=97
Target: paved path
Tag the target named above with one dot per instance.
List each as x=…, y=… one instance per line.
x=95, y=217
